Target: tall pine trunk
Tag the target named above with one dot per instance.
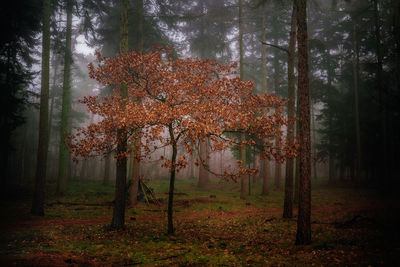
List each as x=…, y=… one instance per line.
x=136, y=143
x=53, y=92
x=264, y=161
x=356, y=106
x=241, y=73
x=277, y=174
x=66, y=106
x=331, y=162
x=288, y=203
x=303, y=235
x=394, y=156
x=381, y=96
x=40, y=177
x=118, y=219
x=55, y=65
x=314, y=148
x=297, y=161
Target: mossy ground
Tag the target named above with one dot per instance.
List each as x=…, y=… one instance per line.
x=212, y=228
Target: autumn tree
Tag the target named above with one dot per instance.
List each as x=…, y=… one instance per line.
x=183, y=101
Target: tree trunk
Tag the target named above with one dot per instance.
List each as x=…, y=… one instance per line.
x=265, y=187
x=381, y=95
x=288, y=203
x=83, y=172
x=331, y=163
x=314, y=149
x=66, y=106
x=342, y=171
x=40, y=177
x=303, y=235
x=394, y=156
x=356, y=106
x=106, y=177
x=255, y=160
x=51, y=170
x=172, y=181
x=137, y=142
x=277, y=174
x=118, y=219
x=53, y=89
x=203, y=145
x=241, y=72
x=24, y=152
x=297, y=161
x=264, y=161
x=134, y=173
x=140, y=12
x=277, y=180
x=192, y=161
x=249, y=183
x=203, y=172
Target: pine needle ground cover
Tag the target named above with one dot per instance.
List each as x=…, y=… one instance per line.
x=213, y=228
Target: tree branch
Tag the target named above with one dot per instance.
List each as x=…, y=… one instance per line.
x=277, y=46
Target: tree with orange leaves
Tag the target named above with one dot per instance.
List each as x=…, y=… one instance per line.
x=183, y=101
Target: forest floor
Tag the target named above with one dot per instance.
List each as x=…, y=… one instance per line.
x=212, y=228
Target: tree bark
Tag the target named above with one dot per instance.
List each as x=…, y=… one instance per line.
x=52, y=169
x=356, y=106
x=265, y=186
x=134, y=173
x=297, y=161
x=203, y=172
x=303, y=235
x=394, y=156
x=118, y=219
x=192, y=161
x=53, y=89
x=83, y=172
x=241, y=73
x=136, y=146
x=264, y=161
x=106, y=177
x=249, y=183
x=331, y=162
x=277, y=174
x=313, y=145
x=288, y=203
x=381, y=95
x=40, y=177
x=172, y=181
x=66, y=106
